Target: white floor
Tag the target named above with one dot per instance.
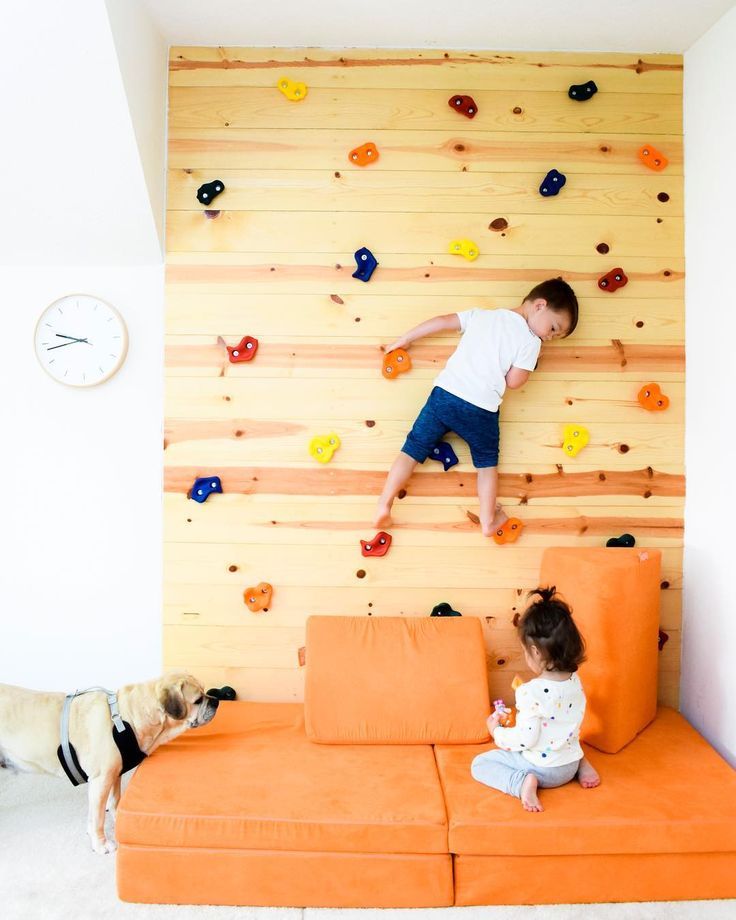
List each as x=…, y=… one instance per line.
x=48, y=872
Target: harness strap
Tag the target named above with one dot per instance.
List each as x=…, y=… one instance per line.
x=123, y=735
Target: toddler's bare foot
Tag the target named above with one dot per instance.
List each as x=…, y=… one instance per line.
x=529, y=797
x=499, y=518
x=588, y=775
x=382, y=517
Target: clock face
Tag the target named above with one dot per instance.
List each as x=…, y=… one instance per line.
x=81, y=340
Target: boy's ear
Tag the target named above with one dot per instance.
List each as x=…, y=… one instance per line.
x=539, y=304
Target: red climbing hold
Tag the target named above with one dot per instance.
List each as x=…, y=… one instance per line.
x=464, y=104
x=613, y=280
x=378, y=546
x=245, y=350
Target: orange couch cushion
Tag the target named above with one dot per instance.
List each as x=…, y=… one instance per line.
x=396, y=680
x=666, y=792
x=614, y=595
x=252, y=780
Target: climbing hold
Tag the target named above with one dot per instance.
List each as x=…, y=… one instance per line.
x=575, y=437
x=464, y=104
x=662, y=637
x=581, y=92
x=652, y=398
x=224, y=693
x=209, y=191
x=245, y=350
x=652, y=158
x=258, y=598
x=204, y=487
x=509, y=531
x=364, y=155
x=552, y=183
x=366, y=262
x=396, y=362
x=378, y=546
x=626, y=540
x=293, y=90
x=613, y=280
x=466, y=248
x=322, y=446
x=444, y=453
x=444, y=610
x=507, y=716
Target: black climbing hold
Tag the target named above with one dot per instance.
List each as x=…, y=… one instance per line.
x=224, y=693
x=581, y=92
x=209, y=191
x=626, y=539
x=444, y=610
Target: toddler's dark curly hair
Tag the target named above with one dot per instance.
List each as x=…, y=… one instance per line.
x=548, y=624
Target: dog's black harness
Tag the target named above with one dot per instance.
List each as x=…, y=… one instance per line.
x=123, y=736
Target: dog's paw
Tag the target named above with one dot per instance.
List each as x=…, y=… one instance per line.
x=103, y=846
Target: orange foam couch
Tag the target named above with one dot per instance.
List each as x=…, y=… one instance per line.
x=362, y=796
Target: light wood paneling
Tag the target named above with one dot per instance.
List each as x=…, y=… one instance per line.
x=274, y=259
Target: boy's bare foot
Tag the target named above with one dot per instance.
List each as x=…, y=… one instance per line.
x=529, y=797
x=382, y=518
x=588, y=775
x=499, y=518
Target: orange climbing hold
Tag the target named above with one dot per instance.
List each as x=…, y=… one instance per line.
x=652, y=158
x=258, y=598
x=364, y=155
x=396, y=362
x=652, y=398
x=508, y=532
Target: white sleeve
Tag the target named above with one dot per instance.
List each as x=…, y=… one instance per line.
x=466, y=317
x=527, y=355
x=525, y=733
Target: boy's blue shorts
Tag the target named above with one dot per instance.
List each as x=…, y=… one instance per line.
x=444, y=412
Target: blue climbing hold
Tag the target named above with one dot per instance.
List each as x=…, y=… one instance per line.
x=581, y=92
x=552, y=183
x=366, y=262
x=444, y=454
x=204, y=487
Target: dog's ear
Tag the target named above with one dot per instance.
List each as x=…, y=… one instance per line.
x=173, y=702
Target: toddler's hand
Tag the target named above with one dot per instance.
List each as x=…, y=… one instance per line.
x=399, y=343
x=493, y=721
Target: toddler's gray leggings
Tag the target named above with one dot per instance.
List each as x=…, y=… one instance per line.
x=505, y=770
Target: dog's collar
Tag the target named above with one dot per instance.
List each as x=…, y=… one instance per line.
x=122, y=734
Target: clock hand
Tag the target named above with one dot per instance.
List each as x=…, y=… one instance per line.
x=64, y=344
x=73, y=338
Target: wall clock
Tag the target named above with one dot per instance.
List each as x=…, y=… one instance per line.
x=81, y=340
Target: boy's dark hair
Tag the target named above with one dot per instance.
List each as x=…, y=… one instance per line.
x=548, y=624
x=560, y=297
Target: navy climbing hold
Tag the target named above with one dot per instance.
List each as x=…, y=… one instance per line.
x=552, y=183
x=204, y=487
x=366, y=262
x=443, y=453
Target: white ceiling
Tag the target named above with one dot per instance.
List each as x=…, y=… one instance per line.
x=520, y=25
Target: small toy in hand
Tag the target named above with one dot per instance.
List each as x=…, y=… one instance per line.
x=507, y=717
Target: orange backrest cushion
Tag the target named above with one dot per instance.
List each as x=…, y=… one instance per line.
x=395, y=680
x=614, y=595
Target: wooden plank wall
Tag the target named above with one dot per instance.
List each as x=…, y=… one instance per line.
x=275, y=261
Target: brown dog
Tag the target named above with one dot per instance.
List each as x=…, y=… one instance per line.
x=157, y=711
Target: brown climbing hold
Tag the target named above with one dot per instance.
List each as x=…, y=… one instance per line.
x=369, y=423
x=500, y=223
x=661, y=639
x=603, y=248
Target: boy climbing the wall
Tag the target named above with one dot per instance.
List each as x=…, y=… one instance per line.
x=498, y=349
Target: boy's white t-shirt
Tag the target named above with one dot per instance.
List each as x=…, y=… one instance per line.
x=547, y=730
x=493, y=341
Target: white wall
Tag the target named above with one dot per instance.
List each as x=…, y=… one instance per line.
x=80, y=531
x=74, y=191
x=709, y=631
